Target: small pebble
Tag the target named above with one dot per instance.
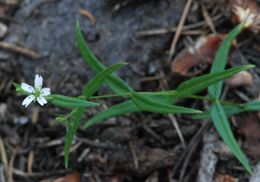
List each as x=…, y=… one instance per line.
x=3, y=30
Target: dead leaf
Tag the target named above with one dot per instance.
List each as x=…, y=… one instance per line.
x=249, y=127
x=242, y=9
x=73, y=177
x=202, y=53
x=225, y=178
x=243, y=78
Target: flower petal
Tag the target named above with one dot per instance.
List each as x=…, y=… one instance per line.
x=28, y=100
x=27, y=88
x=41, y=100
x=38, y=82
x=45, y=91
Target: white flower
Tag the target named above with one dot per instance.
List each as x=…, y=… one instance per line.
x=36, y=93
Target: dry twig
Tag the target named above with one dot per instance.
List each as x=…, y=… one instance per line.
x=88, y=15
x=179, y=29
x=20, y=50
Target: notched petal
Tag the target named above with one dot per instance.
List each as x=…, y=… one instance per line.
x=27, y=88
x=38, y=82
x=45, y=91
x=28, y=100
x=41, y=100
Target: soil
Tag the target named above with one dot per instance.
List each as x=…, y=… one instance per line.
x=136, y=147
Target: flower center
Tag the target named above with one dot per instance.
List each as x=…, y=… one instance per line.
x=37, y=93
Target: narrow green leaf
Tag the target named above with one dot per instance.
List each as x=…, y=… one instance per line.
x=123, y=108
x=228, y=109
x=61, y=118
x=19, y=89
x=94, y=84
x=220, y=60
x=113, y=81
x=73, y=105
x=151, y=105
x=73, y=124
x=116, y=110
x=70, y=102
x=200, y=83
x=252, y=106
x=222, y=125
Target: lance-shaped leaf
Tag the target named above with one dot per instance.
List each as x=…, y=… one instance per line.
x=220, y=60
x=73, y=124
x=252, y=106
x=70, y=102
x=114, y=82
x=116, y=110
x=123, y=108
x=200, y=83
x=151, y=105
x=232, y=109
x=94, y=84
x=228, y=109
x=222, y=125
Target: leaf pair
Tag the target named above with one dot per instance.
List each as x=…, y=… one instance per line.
x=217, y=113
x=76, y=115
x=114, y=82
x=222, y=125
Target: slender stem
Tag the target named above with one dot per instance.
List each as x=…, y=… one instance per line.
x=110, y=96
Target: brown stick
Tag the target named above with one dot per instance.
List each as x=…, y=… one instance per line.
x=88, y=15
x=20, y=50
x=179, y=29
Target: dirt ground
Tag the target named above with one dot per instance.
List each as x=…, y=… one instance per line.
x=38, y=37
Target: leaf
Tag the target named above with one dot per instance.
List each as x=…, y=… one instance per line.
x=114, y=82
x=197, y=84
x=222, y=125
x=70, y=102
x=252, y=106
x=61, y=118
x=123, y=108
x=221, y=59
x=116, y=110
x=19, y=89
x=94, y=84
x=73, y=124
x=232, y=110
x=228, y=109
x=147, y=104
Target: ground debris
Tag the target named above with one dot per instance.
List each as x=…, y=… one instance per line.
x=147, y=159
x=208, y=159
x=225, y=178
x=249, y=127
